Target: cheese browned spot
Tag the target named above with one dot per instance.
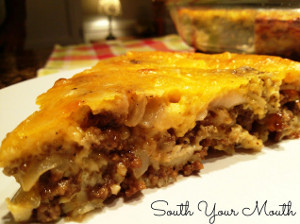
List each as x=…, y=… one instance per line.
x=140, y=120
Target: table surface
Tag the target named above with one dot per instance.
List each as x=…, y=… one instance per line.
x=29, y=64
x=86, y=55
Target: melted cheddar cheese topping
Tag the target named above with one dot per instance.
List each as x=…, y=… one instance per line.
x=184, y=84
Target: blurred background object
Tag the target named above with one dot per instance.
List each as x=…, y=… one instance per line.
x=110, y=8
x=246, y=26
x=139, y=19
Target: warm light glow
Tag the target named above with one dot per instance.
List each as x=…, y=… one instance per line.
x=109, y=7
x=99, y=23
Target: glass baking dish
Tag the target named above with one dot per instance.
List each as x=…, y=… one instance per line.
x=262, y=27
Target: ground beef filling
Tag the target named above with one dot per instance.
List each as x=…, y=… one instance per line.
x=282, y=124
x=117, y=148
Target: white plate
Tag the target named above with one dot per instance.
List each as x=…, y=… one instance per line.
x=231, y=183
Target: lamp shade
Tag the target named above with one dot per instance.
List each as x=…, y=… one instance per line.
x=109, y=7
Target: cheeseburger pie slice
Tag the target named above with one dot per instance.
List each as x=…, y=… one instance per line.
x=138, y=121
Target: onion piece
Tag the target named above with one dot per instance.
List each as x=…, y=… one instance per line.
x=137, y=112
x=138, y=172
x=35, y=170
x=228, y=100
x=22, y=204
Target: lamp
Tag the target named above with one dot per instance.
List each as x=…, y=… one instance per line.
x=109, y=8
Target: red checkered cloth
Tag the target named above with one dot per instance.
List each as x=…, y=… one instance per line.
x=86, y=55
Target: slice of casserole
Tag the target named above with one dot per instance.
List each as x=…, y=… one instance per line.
x=138, y=120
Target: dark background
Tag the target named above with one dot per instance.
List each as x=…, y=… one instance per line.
x=30, y=28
